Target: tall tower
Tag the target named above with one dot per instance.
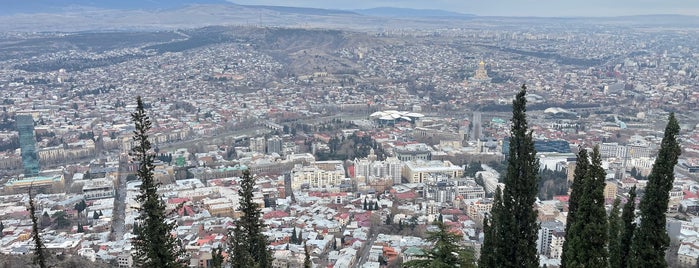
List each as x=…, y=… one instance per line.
x=27, y=144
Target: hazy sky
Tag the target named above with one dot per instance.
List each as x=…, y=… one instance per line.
x=547, y=8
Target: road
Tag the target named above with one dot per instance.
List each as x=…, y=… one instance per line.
x=364, y=254
x=119, y=214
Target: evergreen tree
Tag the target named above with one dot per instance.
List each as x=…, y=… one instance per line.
x=299, y=238
x=628, y=228
x=217, y=257
x=293, y=239
x=587, y=236
x=2, y=227
x=40, y=256
x=307, y=259
x=651, y=240
x=80, y=228
x=487, y=258
x=446, y=251
x=514, y=220
x=80, y=206
x=154, y=245
x=247, y=244
x=614, y=234
x=579, y=176
x=95, y=215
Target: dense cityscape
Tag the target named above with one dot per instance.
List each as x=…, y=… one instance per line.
x=359, y=140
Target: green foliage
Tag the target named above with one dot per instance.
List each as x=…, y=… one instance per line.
x=217, y=257
x=2, y=227
x=80, y=228
x=614, y=228
x=80, y=206
x=552, y=182
x=581, y=169
x=514, y=219
x=154, y=245
x=472, y=168
x=586, y=238
x=446, y=251
x=351, y=147
x=651, y=240
x=293, y=239
x=628, y=228
x=487, y=258
x=247, y=245
x=60, y=219
x=40, y=256
x=95, y=215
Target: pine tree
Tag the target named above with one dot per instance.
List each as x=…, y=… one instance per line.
x=307, y=259
x=95, y=215
x=40, y=256
x=80, y=228
x=628, y=228
x=248, y=246
x=579, y=177
x=2, y=227
x=651, y=240
x=587, y=236
x=514, y=220
x=614, y=233
x=154, y=245
x=446, y=251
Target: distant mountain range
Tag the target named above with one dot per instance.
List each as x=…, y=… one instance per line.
x=10, y=7
x=409, y=12
x=57, y=6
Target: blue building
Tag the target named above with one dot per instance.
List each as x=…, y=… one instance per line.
x=27, y=144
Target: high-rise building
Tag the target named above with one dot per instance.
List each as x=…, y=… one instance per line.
x=274, y=145
x=27, y=144
x=258, y=144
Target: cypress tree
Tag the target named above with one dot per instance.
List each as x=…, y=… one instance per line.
x=614, y=233
x=40, y=256
x=293, y=239
x=628, y=228
x=514, y=219
x=651, y=240
x=586, y=236
x=2, y=227
x=247, y=244
x=488, y=254
x=154, y=244
x=572, y=234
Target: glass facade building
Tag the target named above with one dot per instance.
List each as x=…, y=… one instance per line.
x=27, y=144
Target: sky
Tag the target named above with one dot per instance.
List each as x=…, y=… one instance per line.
x=541, y=8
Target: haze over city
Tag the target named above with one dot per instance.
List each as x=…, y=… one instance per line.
x=349, y=134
